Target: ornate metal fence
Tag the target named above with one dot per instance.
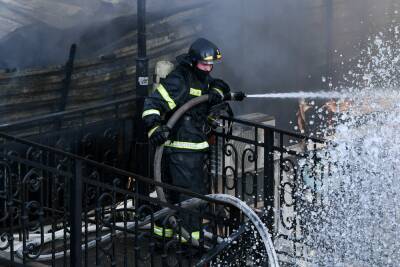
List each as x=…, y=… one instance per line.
x=65, y=200
x=60, y=209
x=102, y=132
x=276, y=172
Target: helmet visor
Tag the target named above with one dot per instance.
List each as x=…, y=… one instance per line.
x=210, y=62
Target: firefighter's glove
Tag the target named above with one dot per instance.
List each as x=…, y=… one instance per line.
x=159, y=135
x=215, y=98
x=219, y=91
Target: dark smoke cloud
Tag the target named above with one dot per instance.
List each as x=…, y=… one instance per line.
x=39, y=33
x=268, y=46
x=283, y=46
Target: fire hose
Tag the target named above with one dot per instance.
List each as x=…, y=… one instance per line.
x=228, y=199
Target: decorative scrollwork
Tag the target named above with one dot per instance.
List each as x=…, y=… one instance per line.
x=90, y=193
x=88, y=146
x=33, y=180
x=111, y=134
x=33, y=250
x=253, y=184
x=251, y=157
x=10, y=155
x=33, y=154
x=116, y=182
x=289, y=167
x=63, y=144
x=109, y=150
x=230, y=150
x=288, y=189
x=231, y=166
x=88, y=141
x=230, y=172
x=101, y=207
x=34, y=213
x=5, y=240
x=109, y=157
x=62, y=163
x=94, y=175
x=9, y=169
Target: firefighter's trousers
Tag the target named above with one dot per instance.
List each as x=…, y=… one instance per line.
x=186, y=170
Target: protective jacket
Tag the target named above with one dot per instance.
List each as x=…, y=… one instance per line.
x=181, y=85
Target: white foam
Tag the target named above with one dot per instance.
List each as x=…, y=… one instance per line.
x=359, y=221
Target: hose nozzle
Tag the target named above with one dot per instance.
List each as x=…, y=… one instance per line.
x=237, y=96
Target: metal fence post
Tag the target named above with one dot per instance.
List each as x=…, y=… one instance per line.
x=141, y=147
x=76, y=215
x=269, y=179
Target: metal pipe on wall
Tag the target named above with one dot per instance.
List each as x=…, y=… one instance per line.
x=142, y=72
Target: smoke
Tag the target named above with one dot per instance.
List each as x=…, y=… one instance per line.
x=265, y=50
x=39, y=33
x=59, y=14
x=267, y=46
x=282, y=46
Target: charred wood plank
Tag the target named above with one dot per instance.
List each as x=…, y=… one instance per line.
x=66, y=83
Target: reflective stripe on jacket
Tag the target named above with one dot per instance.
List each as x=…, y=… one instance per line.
x=180, y=86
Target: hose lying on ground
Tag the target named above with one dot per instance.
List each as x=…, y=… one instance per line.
x=187, y=204
x=37, y=241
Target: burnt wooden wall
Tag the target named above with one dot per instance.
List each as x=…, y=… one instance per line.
x=32, y=92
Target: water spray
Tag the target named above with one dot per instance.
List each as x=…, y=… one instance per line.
x=301, y=94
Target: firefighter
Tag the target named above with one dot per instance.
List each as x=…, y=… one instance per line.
x=186, y=146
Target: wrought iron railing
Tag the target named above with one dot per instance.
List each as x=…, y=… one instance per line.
x=275, y=171
x=102, y=132
x=61, y=209
x=48, y=216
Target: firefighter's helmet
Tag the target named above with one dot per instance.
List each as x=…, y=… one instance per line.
x=204, y=51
